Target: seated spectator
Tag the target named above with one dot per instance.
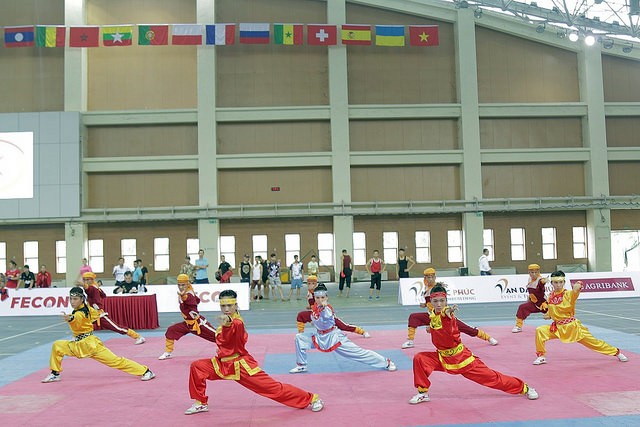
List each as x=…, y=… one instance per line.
x=43, y=279
x=128, y=286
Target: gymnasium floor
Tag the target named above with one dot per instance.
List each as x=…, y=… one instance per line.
x=577, y=387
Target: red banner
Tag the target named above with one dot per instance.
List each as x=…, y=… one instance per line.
x=609, y=284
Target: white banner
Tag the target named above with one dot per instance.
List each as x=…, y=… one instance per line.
x=51, y=301
x=498, y=288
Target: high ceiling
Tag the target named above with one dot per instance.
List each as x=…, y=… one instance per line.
x=605, y=19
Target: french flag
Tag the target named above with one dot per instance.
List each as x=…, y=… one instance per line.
x=221, y=34
x=254, y=33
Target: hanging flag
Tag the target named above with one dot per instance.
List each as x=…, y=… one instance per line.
x=153, y=35
x=84, y=36
x=254, y=33
x=289, y=34
x=18, y=36
x=221, y=34
x=423, y=35
x=326, y=35
x=48, y=36
x=118, y=35
x=390, y=35
x=187, y=34
x=356, y=34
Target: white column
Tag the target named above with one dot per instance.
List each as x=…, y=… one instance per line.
x=75, y=60
x=471, y=170
x=76, y=235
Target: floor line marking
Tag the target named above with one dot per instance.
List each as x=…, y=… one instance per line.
x=609, y=315
x=30, y=332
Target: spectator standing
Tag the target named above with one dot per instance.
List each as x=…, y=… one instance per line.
x=119, y=270
x=375, y=267
x=187, y=268
x=27, y=278
x=144, y=276
x=313, y=267
x=296, y=277
x=483, y=263
x=12, y=275
x=345, y=273
x=274, y=277
x=201, y=268
x=256, y=279
x=223, y=270
x=43, y=279
x=86, y=268
x=244, y=270
x=265, y=276
x=405, y=264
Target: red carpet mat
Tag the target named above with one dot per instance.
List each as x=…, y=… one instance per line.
x=576, y=383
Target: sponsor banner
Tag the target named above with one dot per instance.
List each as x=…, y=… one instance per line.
x=513, y=287
x=52, y=301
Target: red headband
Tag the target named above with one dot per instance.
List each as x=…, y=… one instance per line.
x=438, y=294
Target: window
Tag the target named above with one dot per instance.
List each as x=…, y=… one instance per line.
x=161, y=254
x=291, y=247
x=260, y=246
x=31, y=255
x=423, y=247
x=390, y=246
x=228, y=249
x=96, y=255
x=454, y=245
x=518, y=252
x=549, y=244
x=359, y=249
x=128, y=251
x=488, y=243
x=3, y=257
x=325, y=248
x=61, y=256
x=193, y=246
x=579, y=242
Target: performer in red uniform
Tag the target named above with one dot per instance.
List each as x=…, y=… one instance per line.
x=305, y=315
x=194, y=323
x=422, y=318
x=95, y=298
x=233, y=362
x=453, y=357
x=536, y=302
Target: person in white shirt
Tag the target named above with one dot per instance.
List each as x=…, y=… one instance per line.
x=119, y=270
x=296, y=277
x=483, y=263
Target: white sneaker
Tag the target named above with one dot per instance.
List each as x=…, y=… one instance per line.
x=197, y=407
x=621, y=357
x=516, y=329
x=532, y=394
x=391, y=366
x=408, y=344
x=540, y=360
x=493, y=341
x=298, y=369
x=140, y=340
x=51, y=378
x=366, y=335
x=148, y=376
x=419, y=398
x=317, y=404
x=164, y=356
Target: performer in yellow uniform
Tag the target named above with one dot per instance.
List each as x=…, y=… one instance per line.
x=85, y=344
x=562, y=309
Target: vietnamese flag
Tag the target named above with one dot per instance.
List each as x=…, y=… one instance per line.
x=84, y=36
x=423, y=35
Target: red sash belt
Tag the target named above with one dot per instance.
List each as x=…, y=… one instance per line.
x=554, y=325
x=326, y=331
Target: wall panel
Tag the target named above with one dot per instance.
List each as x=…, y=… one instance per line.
x=531, y=133
x=126, y=141
x=623, y=178
x=278, y=137
x=621, y=79
x=621, y=131
x=539, y=180
x=513, y=69
x=625, y=219
x=392, y=135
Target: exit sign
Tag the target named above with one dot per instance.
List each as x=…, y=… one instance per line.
x=275, y=188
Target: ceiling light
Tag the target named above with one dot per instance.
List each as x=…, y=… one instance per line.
x=627, y=48
x=540, y=28
x=477, y=13
x=573, y=36
x=561, y=34
x=607, y=43
x=589, y=39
